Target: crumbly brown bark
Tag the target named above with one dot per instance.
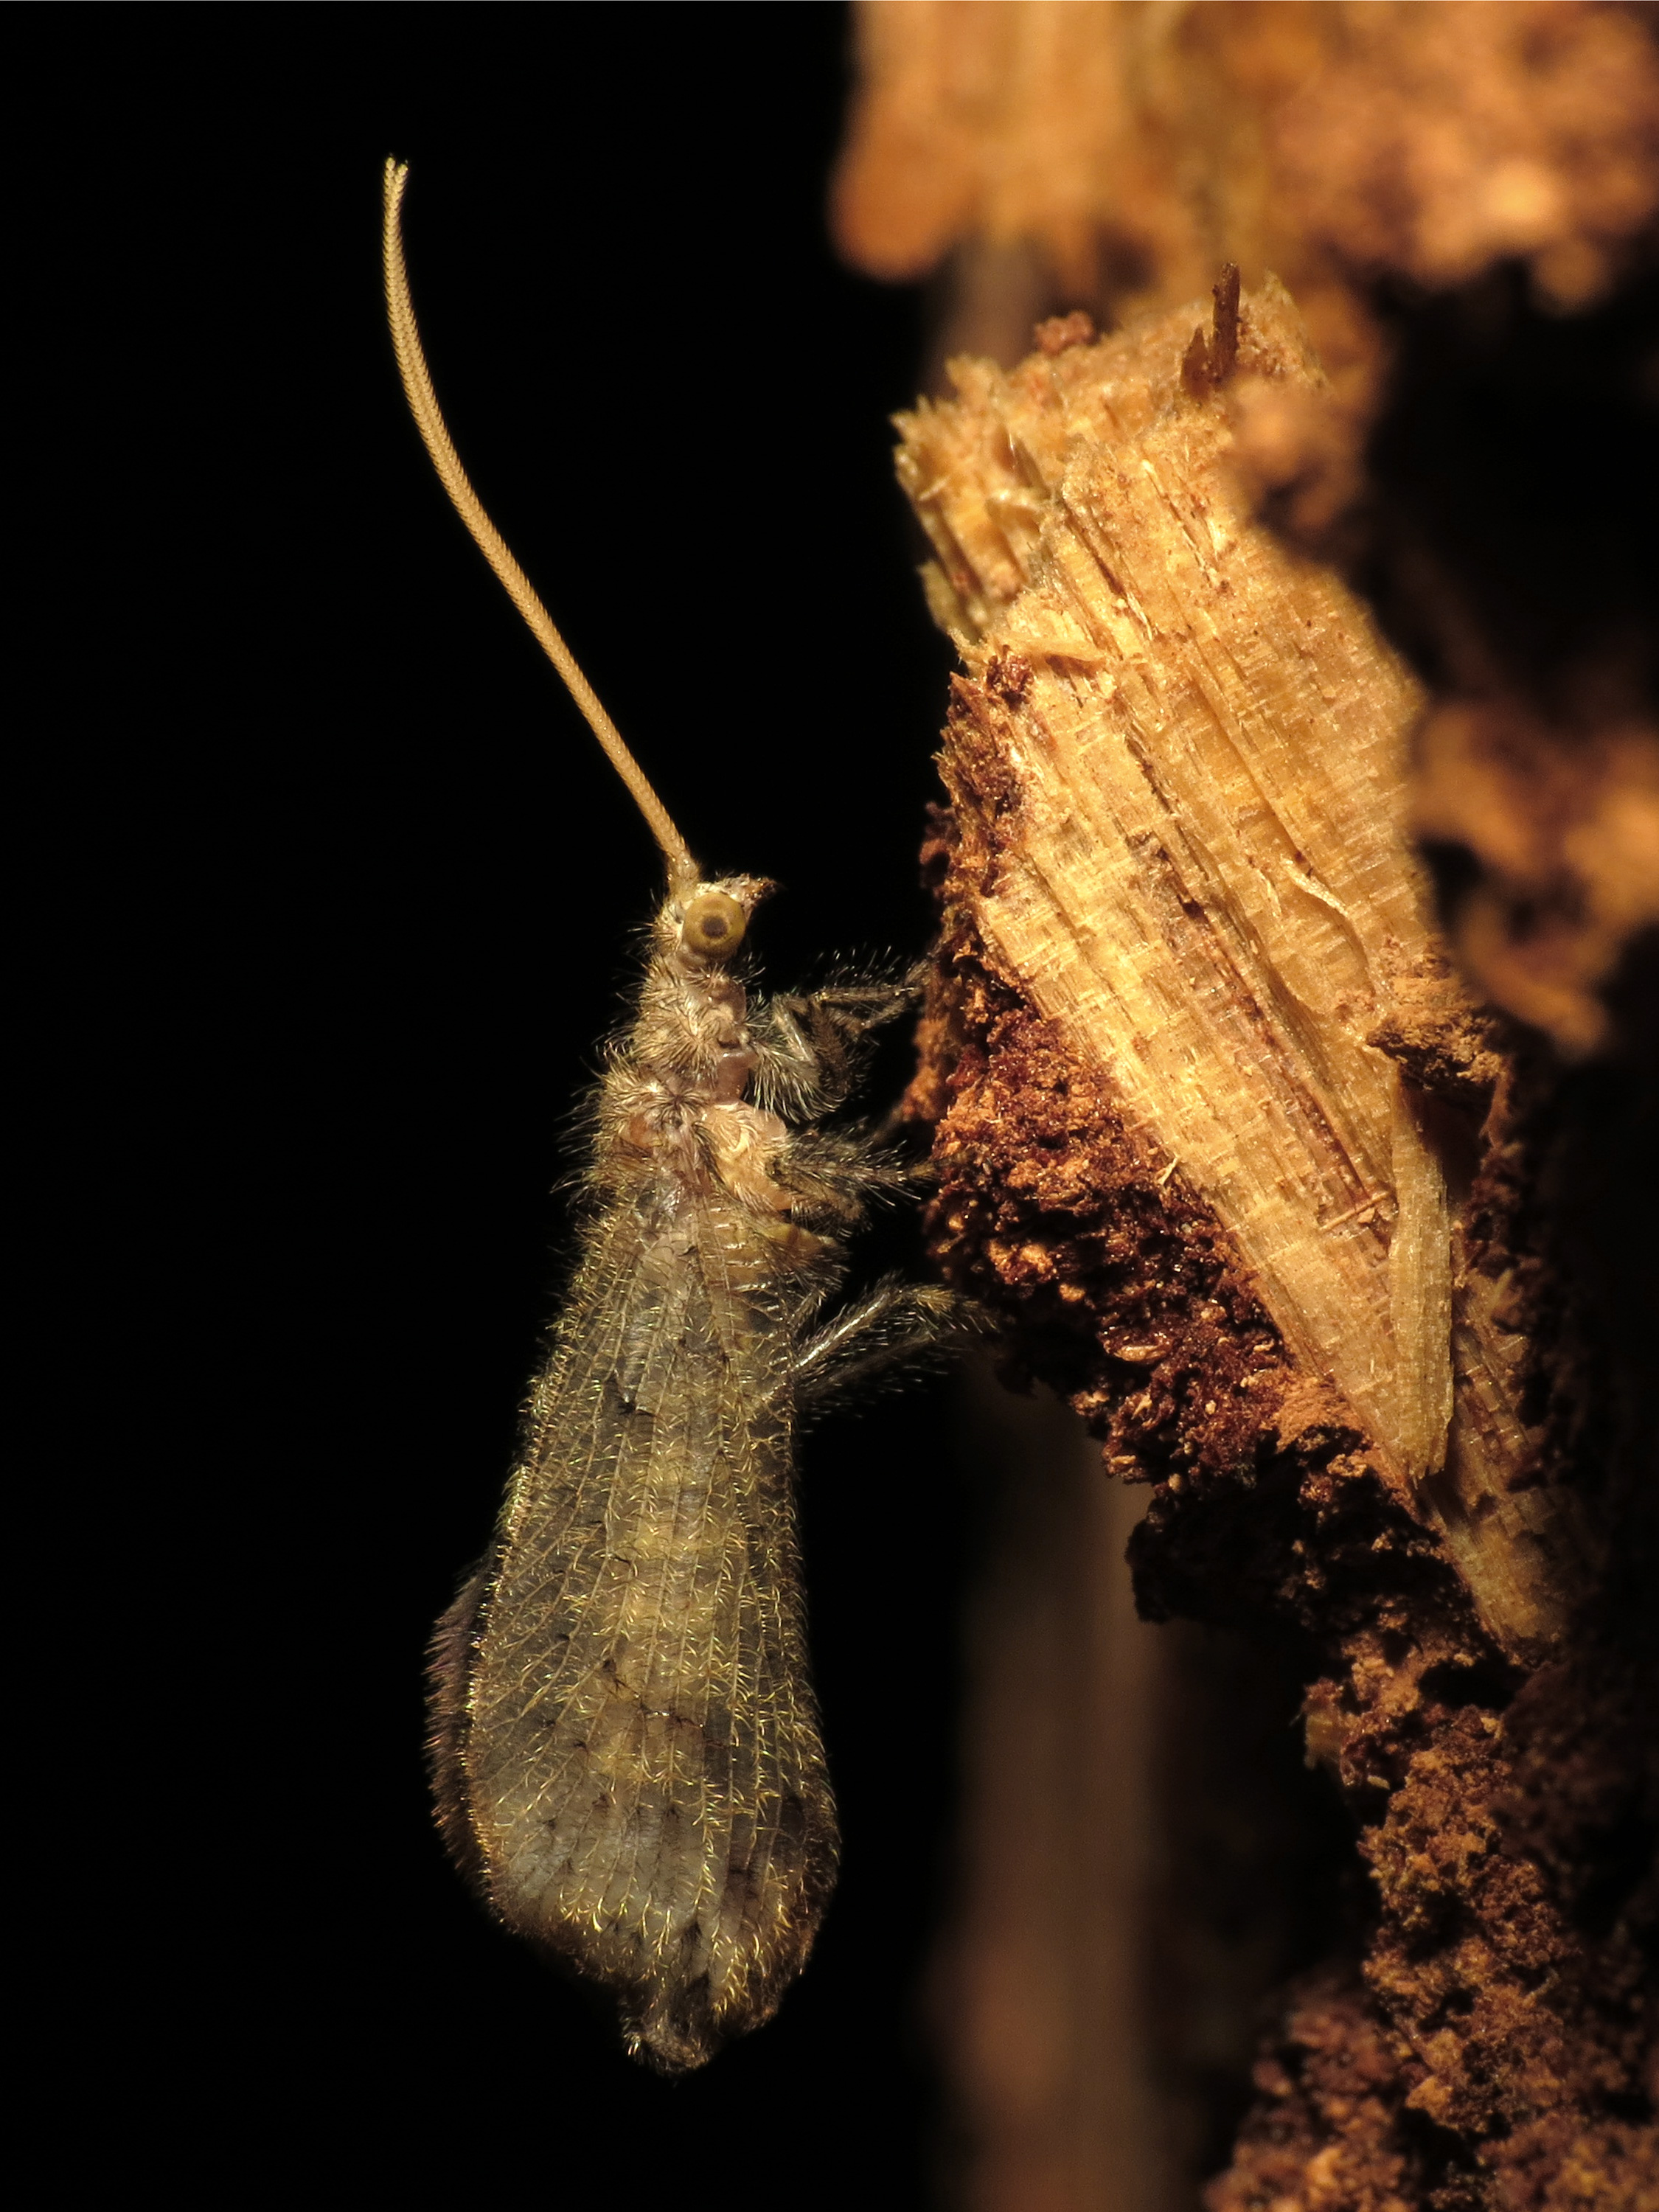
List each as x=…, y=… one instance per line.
x=1178, y=791
x=1491, y=2050
x=1463, y=200
x=1486, y=2046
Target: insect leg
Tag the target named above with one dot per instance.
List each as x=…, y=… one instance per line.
x=897, y=1325
x=833, y=1176
x=814, y=1045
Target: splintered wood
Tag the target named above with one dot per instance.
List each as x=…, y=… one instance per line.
x=1186, y=747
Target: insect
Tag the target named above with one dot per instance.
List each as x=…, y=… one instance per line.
x=627, y=1755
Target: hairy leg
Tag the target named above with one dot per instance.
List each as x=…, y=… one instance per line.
x=813, y=1048
x=895, y=1326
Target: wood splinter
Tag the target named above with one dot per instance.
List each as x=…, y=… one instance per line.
x=1178, y=838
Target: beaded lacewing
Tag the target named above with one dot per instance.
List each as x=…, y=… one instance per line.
x=626, y=1748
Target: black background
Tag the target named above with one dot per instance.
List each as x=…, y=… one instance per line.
x=333, y=905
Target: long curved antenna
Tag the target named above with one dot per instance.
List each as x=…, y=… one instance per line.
x=423, y=404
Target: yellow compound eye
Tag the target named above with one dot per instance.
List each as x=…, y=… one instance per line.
x=713, y=925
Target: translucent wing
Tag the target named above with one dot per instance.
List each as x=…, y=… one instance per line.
x=629, y=1753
